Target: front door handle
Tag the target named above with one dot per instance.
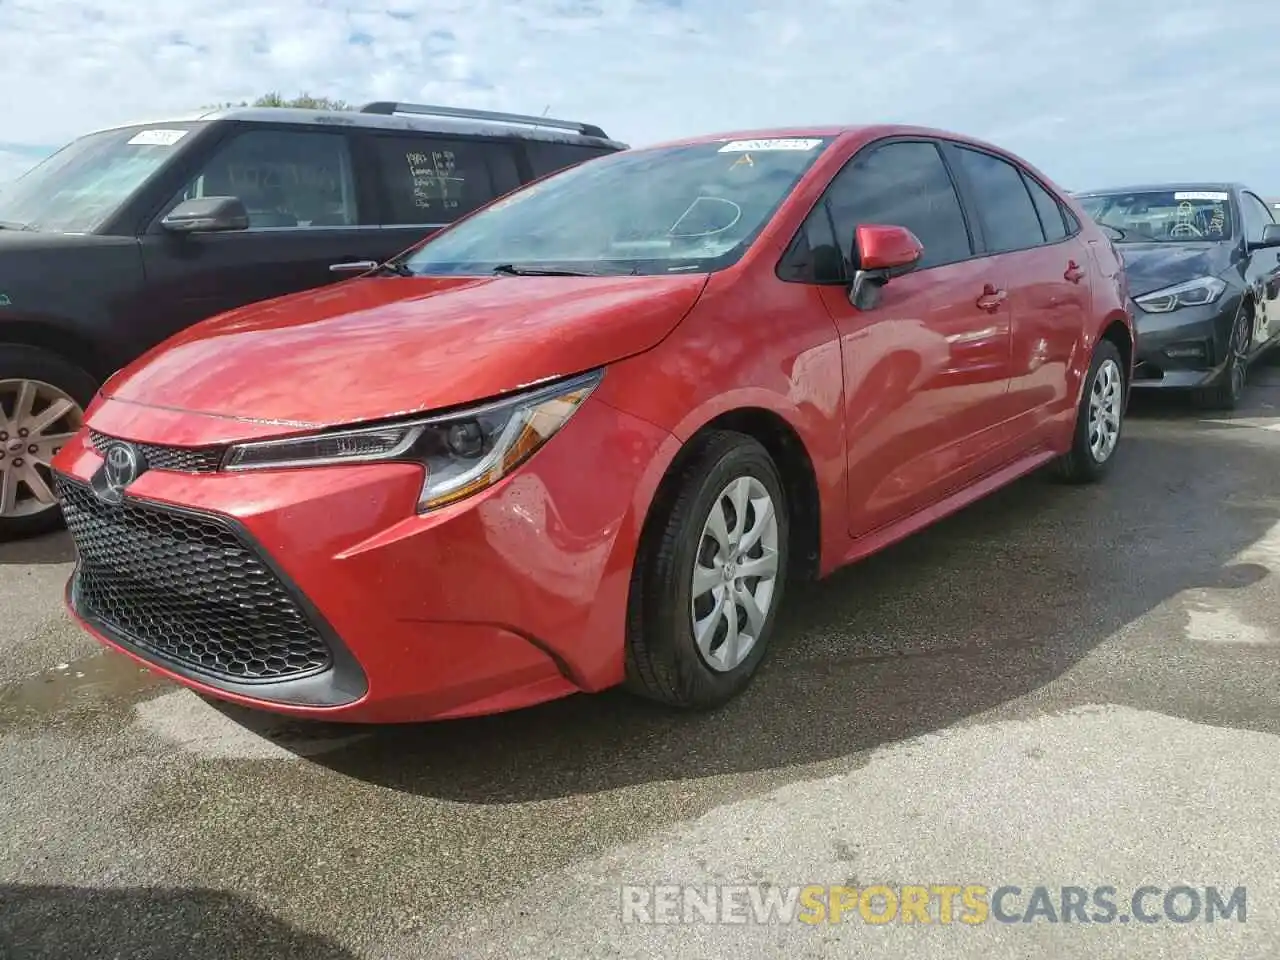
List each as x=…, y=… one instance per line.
x=353, y=266
x=1074, y=273
x=991, y=299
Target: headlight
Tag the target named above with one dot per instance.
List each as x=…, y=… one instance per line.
x=1193, y=293
x=463, y=452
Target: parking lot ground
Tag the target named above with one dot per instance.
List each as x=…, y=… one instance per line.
x=1059, y=686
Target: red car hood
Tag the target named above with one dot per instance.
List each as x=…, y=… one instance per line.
x=385, y=346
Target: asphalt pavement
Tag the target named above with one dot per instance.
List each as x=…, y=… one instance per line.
x=1057, y=687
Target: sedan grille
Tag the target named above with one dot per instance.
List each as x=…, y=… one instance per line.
x=188, y=588
x=177, y=459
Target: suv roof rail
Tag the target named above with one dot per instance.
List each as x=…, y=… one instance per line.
x=391, y=107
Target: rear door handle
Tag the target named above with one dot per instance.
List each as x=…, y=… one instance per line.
x=991, y=299
x=353, y=266
x=1074, y=273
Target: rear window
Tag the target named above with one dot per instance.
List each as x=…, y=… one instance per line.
x=547, y=158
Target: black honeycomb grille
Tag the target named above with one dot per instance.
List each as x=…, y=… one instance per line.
x=179, y=459
x=187, y=588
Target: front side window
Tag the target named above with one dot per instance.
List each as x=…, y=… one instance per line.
x=431, y=180
x=1009, y=218
x=285, y=178
x=1163, y=216
x=902, y=184
x=686, y=208
x=79, y=188
x=1256, y=216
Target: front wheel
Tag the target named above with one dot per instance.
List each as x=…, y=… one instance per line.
x=1098, y=418
x=709, y=578
x=1227, y=393
x=42, y=404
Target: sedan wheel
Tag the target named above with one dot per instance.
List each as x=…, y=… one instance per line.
x=735, y=573
x=1105, y=401
x=709, y=575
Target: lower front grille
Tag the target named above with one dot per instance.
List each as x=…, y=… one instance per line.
x=188, y=588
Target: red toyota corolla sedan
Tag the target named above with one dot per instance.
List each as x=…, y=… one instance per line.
x=586, y=435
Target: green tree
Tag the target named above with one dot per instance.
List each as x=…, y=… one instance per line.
x=304, y=101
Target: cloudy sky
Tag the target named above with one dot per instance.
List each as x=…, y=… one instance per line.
x=1092, y=91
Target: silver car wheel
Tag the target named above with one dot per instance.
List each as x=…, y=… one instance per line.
x=37, y=420
x=735, y=574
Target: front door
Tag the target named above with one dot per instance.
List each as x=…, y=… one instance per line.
x=300, y=190
x=1262, y=270
x=926, y=370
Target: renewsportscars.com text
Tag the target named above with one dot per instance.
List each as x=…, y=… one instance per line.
x=965, y=904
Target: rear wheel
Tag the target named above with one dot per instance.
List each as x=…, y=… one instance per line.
x=709, y=579
x=42, y=404
x=1227, y=393
x=1098, y=418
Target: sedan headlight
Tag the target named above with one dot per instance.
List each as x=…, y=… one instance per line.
x=463, y=452
x=1193, y=293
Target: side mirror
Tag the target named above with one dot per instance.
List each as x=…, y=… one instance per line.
x=1270, y=238
x=883, y=252
x=207, y=215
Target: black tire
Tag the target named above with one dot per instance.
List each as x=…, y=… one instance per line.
x=1080, y=464
x=21, y=362
x=663, y=662
x=1228, y=391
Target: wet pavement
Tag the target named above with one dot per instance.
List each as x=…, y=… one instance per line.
x=1059, y=686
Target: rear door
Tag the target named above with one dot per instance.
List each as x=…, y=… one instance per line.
x=298, y=184
x=1024, y=228
x=421, y=182
x=927, y=369
x=547, y=156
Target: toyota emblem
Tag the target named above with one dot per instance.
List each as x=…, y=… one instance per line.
x=121, y=466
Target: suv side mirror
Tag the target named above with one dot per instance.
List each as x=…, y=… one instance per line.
x=1270, y=238
x=207, y=215
x=883, y=252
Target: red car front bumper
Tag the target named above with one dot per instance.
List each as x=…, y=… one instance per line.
x=321, y=592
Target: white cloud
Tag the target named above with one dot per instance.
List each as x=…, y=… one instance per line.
x=1094, y=91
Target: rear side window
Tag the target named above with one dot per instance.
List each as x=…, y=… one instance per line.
x=1050, y=213
x=903, y=184
x=432, y=181
x=546, y=157
x=1009, y=218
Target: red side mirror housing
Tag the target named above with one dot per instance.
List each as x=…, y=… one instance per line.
x=892, y=251
x=883, y=252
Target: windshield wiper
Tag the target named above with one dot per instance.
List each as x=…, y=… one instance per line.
x=511, y=270
x=395, y=269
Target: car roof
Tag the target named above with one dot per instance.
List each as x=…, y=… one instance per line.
x=1163, y=187
x=872, y=131
x=378, y=116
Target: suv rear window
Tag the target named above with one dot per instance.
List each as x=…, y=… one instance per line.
x=546, y=157
x=432, y=180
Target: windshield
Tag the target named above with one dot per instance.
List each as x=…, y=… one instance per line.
x=1173, y=216
x=674, y=209
x=78, y=188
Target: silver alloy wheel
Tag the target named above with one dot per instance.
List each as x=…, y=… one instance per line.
x=735, y=572
x=36, y=420
x=1105, y=397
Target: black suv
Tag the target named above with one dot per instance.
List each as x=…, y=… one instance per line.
x=127, y=235
x=1204, y=278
